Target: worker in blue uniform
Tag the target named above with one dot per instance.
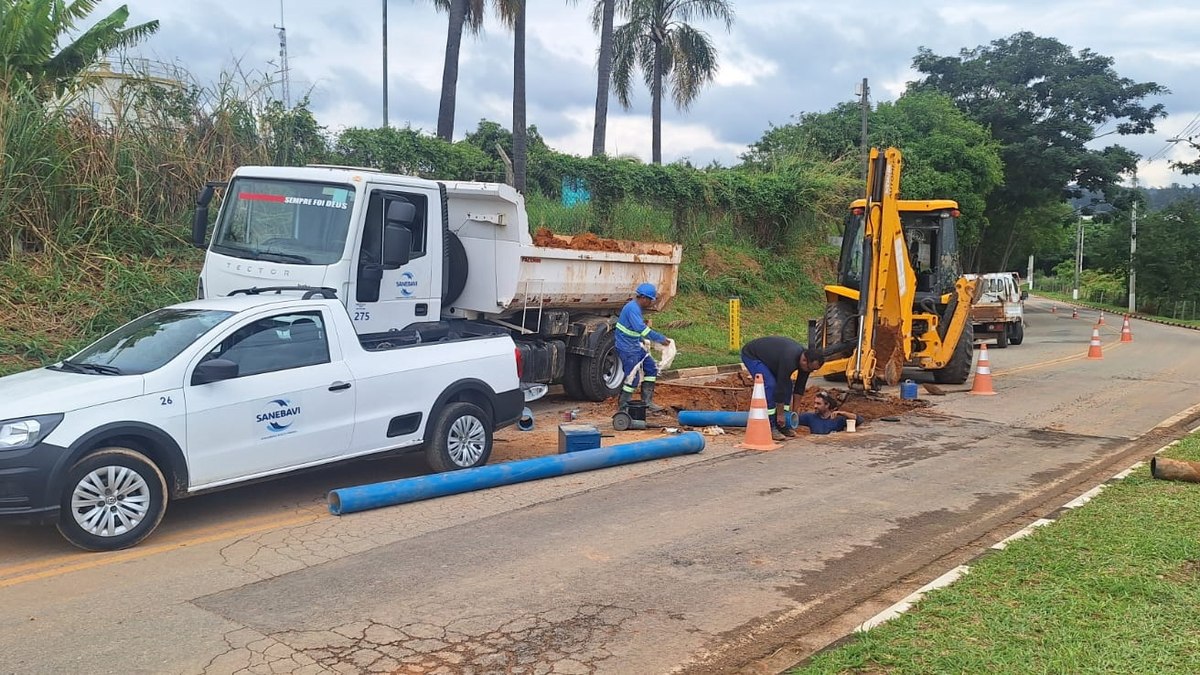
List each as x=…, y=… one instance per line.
x=631, y=330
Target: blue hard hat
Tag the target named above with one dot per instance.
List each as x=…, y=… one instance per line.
x=648, y=291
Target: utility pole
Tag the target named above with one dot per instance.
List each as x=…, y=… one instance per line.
x=1133, y=247
x=283, y=59
x=385, y=73
x=864, y=102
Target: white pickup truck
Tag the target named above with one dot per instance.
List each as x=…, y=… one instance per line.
x=212, y=393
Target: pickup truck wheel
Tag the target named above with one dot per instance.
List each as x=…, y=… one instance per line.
x=959, y=368
x=1002, y=338
x=1018, y=334
x=113, y=499
x=600, y=376
x=461, y=438
x=571, y=379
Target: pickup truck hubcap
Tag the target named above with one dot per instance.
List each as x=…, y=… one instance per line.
x=110, y=501
x=467, y=440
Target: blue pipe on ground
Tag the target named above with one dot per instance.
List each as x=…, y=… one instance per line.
x=376, y=495
x=723, y=418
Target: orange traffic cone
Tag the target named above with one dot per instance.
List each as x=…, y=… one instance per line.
x=982, y=386
x=758, y=426
x=1094, y=347
x=1126, y=334
x=1101, y=321
x=1074, y=312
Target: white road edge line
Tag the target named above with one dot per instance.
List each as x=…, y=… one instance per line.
x=958, y=572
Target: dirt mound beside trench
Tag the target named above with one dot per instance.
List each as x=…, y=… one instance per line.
x=733, y=392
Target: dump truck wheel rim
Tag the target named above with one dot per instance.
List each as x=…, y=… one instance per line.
x=613, y=373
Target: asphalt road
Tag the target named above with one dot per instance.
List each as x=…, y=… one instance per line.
x=716, y=562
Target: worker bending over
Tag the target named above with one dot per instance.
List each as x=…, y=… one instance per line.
x=631, y=330
x=827, y=418
x=777, y=358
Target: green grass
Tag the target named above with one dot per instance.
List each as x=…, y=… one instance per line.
x=1112, y=587
x=1115, y=309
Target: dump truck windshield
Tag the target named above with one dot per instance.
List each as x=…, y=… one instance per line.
x=295, y=222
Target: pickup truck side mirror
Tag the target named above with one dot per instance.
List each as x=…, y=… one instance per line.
x=397, y=245
x=1024, y=295
x=200, y=221
x=214, y=370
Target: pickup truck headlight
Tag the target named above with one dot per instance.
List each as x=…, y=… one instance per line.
x=26, y=432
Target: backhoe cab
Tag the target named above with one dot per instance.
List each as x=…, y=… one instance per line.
x=901, y=300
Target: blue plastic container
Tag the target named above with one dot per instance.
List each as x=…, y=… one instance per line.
x=576, y=437
x=908, y=390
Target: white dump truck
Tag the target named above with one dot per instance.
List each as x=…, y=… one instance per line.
x=406, y=254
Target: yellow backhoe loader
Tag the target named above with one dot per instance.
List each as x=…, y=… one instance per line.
x=900, y=300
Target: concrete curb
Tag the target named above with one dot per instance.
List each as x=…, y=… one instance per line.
x=1137, y=315
x=962, y=570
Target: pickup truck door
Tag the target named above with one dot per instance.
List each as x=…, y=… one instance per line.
x=292, y=402
x=411, y=293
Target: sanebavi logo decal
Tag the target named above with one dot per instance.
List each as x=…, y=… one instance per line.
x=407, y=284
x=278, y=415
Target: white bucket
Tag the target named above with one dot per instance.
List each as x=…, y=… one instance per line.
x=851, y=423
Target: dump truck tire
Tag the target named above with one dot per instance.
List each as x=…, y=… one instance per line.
x=459, y=269
x=1018, y=334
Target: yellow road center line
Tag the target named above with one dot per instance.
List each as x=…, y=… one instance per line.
x=103, y=560
x=1053, y=362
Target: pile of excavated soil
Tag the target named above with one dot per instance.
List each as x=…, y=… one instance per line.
x=732, y=393
x=589, y=242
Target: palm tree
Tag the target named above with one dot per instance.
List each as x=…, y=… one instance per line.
x=463, y=13
x=30, y=30
x=512, y=13
x=602, y=20
x=659, y=40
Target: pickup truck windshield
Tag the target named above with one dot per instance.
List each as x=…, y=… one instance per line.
x=295, y=222
x=146, y=344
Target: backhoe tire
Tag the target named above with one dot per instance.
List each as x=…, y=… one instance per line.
x=959, y=368
x=1018, y=334
x=840, y=324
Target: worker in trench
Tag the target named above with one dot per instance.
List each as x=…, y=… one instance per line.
x=635, y=360
x=827, y=418
x=778, y=359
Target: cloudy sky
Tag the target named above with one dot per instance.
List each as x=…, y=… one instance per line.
x=781, y=58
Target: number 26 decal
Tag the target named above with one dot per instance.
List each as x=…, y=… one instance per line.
x=165, y=400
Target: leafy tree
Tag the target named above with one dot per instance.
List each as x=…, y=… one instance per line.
x=293, y=135
x=1192, y=167
x=1044, y=103
x=659, y=40
x=1168, y=256
x=408, y=151
x=946, y=155
x=32, y=30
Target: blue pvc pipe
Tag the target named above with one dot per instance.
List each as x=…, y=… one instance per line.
x=723, y=418
x=376, y=495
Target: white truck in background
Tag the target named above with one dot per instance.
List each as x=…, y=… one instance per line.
x=406, y=254
x=999, y=312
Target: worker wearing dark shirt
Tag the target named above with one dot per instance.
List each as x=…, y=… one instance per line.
x=776, y=358
x=827, y=419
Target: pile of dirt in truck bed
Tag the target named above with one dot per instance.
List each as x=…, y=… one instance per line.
x=732, y=392
x=588, y=242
